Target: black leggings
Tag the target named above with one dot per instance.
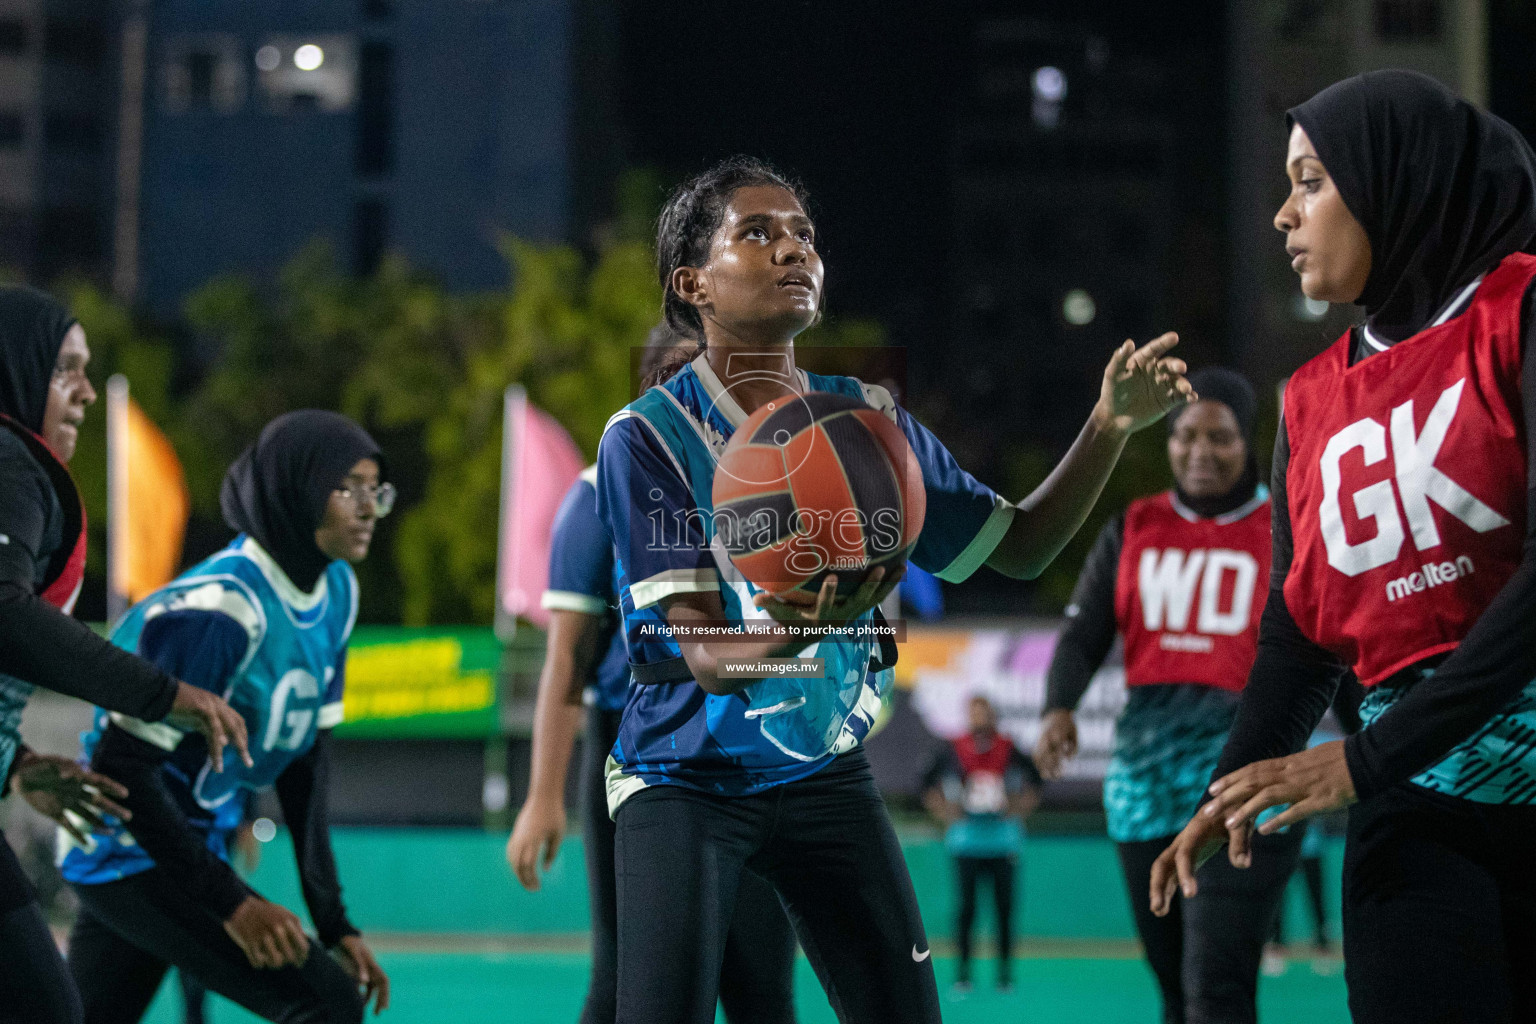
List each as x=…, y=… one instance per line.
x=827, y=846
x=1312, y=874
x=1205, y=954
x=999, y=870
x=130, y=932
x=34, y=986
x=758, y=967
x=1440, y=910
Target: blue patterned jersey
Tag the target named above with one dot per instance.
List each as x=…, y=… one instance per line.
x=1495, y=765
x=237, y=625
x=1168, y=739
x=581, y=579
x=656, y=470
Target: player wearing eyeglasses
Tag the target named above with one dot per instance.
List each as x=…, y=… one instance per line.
x=264, y=622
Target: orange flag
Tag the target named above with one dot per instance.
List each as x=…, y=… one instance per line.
x=150, y=504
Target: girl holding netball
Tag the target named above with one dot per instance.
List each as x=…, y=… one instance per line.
x=1403, y=551
x=706, y=778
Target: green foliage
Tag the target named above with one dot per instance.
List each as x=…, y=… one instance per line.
x=565, y=333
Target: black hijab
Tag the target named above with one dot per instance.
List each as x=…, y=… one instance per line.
x=1231, y=389
x=1443, y=189
x=32, y=329
x=277, y=490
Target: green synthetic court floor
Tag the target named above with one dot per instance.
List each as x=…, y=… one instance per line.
x=547, y=988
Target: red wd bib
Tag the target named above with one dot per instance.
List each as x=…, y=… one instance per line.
x=1190, y=591
x=1406, y=485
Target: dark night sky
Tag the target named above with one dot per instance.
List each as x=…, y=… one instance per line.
x=856, y=97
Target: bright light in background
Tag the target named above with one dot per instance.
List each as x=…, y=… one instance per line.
x=264, y=830
x=1304, y=308
x=1078, y=308
x=268, y=58
x=308, y=57
x=1050, y=84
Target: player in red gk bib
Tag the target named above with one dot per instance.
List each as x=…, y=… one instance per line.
x=1182, y=577
x=1403, y=552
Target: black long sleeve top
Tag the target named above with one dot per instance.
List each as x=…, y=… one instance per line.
x=39, y=644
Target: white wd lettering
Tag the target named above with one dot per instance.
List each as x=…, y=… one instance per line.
x=1168, y=587
x=1167, y=582
x=1418, y=483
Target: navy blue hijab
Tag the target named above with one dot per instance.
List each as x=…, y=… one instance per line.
x=277, y=490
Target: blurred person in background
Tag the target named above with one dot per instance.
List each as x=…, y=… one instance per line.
x=44, y=393
x=266, y=620
x=586, y=660
x=983, y=788
x=1182, y=577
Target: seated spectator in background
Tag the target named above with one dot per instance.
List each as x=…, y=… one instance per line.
x=983, y=787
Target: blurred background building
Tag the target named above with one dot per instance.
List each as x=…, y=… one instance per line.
x=164, y=143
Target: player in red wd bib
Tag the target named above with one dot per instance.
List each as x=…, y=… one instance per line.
x=1403, y=552
x=43, y=396
x=1182, y=577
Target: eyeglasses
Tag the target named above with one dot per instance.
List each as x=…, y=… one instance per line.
x=381, y=497
x=69, y=374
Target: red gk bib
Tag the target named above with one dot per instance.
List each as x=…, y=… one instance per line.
x=1406, y=485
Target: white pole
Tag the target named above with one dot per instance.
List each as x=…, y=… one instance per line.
x=513, y=405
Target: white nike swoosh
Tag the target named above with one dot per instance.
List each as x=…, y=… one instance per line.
x=920, y=957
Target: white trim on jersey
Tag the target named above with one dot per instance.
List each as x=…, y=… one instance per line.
x=1454, y=308
x=673, y=581
x=330, y=716
x=588, y=475
x=156, y=733
x=620, y=787
x=630, y=414
x=1243, y=511
x=572, y=601
x=715, y=389
x=287, y=590
x=982, y=545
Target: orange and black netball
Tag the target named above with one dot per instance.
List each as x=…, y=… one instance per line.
x=817, y=484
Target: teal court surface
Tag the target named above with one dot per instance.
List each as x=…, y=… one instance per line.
x=547, y=988
x=473, y=948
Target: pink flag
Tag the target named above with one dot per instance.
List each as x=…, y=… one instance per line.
x=539, y=463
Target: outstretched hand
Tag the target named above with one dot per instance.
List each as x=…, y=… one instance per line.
x=1142, y=385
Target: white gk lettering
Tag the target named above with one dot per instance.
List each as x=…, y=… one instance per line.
x=1168, y=580
x=1418, y=483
